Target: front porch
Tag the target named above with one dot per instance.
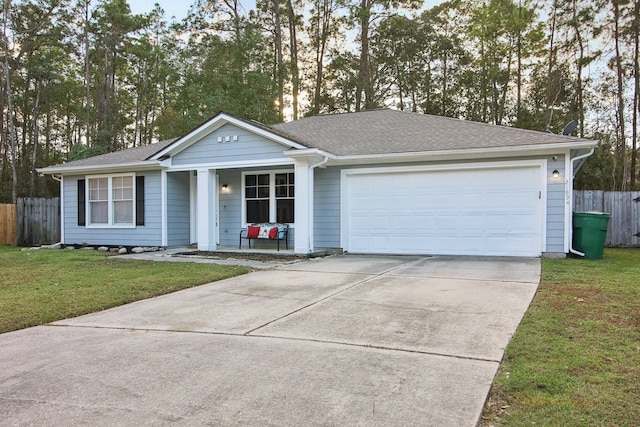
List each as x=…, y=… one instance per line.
x=210, y=206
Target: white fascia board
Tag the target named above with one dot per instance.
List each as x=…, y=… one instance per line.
x=216, y=123
x=308, y=152
x=96, y=169
x=233, y=165
x=466, y=154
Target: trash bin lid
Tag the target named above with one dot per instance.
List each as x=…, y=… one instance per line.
x=593, y=214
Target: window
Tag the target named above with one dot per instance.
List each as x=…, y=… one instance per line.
x=99, y=201
x=111, y=200
x=269, y=197
x=284, y=197
x=256, y=191
x=122, y=191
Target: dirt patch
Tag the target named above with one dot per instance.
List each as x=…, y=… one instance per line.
x=250, y=256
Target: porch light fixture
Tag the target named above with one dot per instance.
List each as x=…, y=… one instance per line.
x=225, y=188
x=555, y=173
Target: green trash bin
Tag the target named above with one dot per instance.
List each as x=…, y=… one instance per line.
x=590, y=233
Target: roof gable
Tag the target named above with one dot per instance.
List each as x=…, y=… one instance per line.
x=229, y=144
x=218, y=121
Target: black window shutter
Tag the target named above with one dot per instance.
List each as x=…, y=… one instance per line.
x=139, y=200
x=81, y=203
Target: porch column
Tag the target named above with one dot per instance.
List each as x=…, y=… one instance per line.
x=302, y=206
x=207, y=193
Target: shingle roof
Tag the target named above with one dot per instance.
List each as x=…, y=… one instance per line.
x=391, y=131
x=131, y=155
x=368, y=132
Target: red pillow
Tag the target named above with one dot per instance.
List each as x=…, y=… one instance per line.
x=273, y=233
x=253, y=231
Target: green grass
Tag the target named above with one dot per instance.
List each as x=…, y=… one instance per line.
x=575, y=359
x=42, y=286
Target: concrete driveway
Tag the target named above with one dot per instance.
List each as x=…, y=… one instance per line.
x=345, y=340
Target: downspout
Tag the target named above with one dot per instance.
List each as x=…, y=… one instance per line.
x=311, y=204
x=573, y=174
x=322, y=163
x=59, y=179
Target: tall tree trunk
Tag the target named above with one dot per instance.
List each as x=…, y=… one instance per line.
x=398, y=73
x=484, y=87
x=279, y=65
x=505, y=89
x=87, y=77
x=519, y=77
x=10, y=113
x=293, y=41
x=317, y=90
x=636, y=92
x=579, y=65
x=443, y=105
x=324, y=9
x=364, y=71
x=35, y=136
x=622, y=143
x=552, y=59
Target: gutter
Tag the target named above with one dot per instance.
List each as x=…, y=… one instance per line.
x=139, y=165
x=573, y=174
x=453, y=154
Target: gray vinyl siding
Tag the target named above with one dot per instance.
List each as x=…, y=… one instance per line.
x=556, y=201
x=149, y=234
x=230, y=207
x=248, y=147
x=178, y=216
x=327, y=203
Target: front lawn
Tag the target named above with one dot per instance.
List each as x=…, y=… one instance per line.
x=42, y=286
x=575, y=359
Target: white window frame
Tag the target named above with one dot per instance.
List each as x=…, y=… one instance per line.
x=110, y=201
x=272, y=193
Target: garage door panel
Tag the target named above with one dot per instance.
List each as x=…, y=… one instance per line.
x=474, y=212
x=520, y=198
x=474, y=200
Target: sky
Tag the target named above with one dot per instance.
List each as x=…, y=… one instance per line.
x=179, y=8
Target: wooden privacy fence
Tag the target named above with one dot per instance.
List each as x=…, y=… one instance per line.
x=38, y=221
x=624, y=207
x=7, y=224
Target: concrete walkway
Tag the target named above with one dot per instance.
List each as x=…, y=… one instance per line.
x=345, y=340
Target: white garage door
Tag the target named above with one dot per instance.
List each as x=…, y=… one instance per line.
x=489, y=211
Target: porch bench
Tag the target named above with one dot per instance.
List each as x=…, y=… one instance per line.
x=266, y=231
